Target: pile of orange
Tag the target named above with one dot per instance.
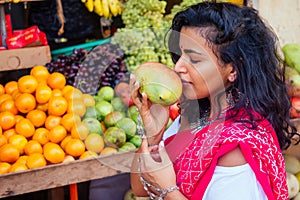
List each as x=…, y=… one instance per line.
x=40, y=121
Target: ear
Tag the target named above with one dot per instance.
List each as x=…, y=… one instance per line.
x=232, y=73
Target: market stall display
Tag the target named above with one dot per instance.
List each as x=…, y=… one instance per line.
x=86, y=80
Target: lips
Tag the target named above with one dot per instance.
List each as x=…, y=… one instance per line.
x=185, y=82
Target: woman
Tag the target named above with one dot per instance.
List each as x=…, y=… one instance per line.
x=234, y=112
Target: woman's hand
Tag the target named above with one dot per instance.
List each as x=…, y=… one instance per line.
x=155, y=117
x=156, y=166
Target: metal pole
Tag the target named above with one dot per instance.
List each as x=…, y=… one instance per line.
x=3, y=25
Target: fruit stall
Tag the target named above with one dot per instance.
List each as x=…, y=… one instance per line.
x=69, y=118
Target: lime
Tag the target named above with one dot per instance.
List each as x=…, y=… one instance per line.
x=106, y=93
x=128, y=125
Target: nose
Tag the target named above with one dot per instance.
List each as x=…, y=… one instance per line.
x=180, y=66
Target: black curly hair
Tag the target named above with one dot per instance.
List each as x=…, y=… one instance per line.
x=239, y=36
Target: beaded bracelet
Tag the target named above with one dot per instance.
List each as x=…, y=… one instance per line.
x=147, y=185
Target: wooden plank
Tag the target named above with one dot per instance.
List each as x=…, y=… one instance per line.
x=62, y=174
x=24, y=57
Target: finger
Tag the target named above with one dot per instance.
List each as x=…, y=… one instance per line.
x=144, y=146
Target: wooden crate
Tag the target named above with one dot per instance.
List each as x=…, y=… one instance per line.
x=24, y=58
x=57, y=175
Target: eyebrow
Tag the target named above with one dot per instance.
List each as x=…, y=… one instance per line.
x=187, y=51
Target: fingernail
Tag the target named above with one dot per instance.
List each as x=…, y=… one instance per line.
x=131, y=76
x=136, y=83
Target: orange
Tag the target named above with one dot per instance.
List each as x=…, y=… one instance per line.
x=52, y=121
x=80, y=131
x=88, y=100
x=73, y=94
x=10, y=132
x=33, y=146
x=11, y=86
x=75, y=147
x=9, y=153
x=19, y=141
x=37, y=117
x=65, y=141
x=36, y=160
x=57, y=93
x=7, y=120
x=5, y=97
x=57, y=106
x=66, y=89
x=68, y=120
x=41, y=135
x=18, y=118
x=77, y=107
x=108, y=151
x=43, y=93
x=3, y=140
x=18, y=167
x=4, y=167
x=25, y=127
x=88, y=154
x=40, y=72
x=53, y=153
x=57, y=134
x=94, y=142
x=56, y=80
x=25, y=102
x=2, y=90
x=22, y=159
x=27, y=84
x=42, y=107
x=9, y=105
x=1, y=130
x=15, y=94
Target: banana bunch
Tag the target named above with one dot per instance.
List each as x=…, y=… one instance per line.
x=105, y=8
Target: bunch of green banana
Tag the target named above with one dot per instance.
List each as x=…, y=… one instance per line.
x=105, y=8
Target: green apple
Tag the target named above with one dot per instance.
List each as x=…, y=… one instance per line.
x=112, y=118
x=114, y=137
x=106, y=93
x=136, y=140
x=128, y=125
x=133, y=113
x=91, y=111
x=118, y=104
x=94, y=125
x=127, y=147
x=104, y=108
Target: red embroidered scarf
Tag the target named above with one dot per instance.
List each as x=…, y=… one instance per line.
x=195, y=156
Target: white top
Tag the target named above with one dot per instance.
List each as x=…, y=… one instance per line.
x=228, y=183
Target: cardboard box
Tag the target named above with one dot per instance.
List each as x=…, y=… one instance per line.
x=24, y=58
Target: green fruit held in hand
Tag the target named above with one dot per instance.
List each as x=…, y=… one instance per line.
x=161, y=84
x=127, y=125
x=114, y=137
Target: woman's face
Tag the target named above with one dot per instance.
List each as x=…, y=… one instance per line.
x=198, y=67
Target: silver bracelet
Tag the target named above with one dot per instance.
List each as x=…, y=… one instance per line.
x=147, y=185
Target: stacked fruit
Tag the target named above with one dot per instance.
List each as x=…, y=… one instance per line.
x=89, y=70
x=41, y=122
x=142, y=38
x=105, y=8
x=292, y=74
x=292, y=167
